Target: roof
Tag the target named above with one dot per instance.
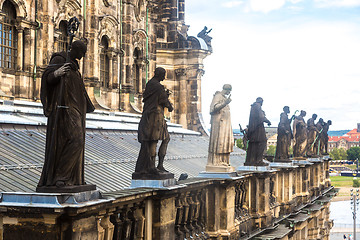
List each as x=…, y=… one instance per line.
x=31, y=114
x=353, y=138
x=110, y=152
x=353, y=132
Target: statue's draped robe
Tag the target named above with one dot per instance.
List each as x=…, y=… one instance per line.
x=152, y=126
x=311, y=136
x=300, y=135
x=256, y=136
x=324, y=138
x=221, y=135
x=64, y=157
x=283, y=138
x=319, y=141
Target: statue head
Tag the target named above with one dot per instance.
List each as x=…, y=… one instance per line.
x=314, y=116
x=302, y=113
x=286, y=109
x=227, y=89
x=321, y=120
x=160, y=73
x=78, y=50
x=260, y=100
x=329, y=122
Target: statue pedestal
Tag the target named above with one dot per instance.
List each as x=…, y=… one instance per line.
x=302, y=162
x=66, y=189
x=51, y=200
x=149, y=180
x=222, y=175
x=253, y=169
x=219, y=169
x=153, y=183
x=314, y=159
x=287, y=164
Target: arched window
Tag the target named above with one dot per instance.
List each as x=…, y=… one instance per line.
x=104, y=63
x=8, y=37
x=62, y=40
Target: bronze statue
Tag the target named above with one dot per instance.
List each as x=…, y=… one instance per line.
x=300, y=135
x=152, y=128
x=256, y=135
x=325, y=138
x=318, y=140
x=221, y=135
x=65, y=102
x=284, y=136
x=311, y=136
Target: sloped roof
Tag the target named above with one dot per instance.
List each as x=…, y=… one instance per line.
x=353, y=132
x=353, y=138
x=110, y=151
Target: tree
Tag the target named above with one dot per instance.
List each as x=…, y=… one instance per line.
x=338, y=154
x=353, y=153
x=271, y=150
x=240, y=144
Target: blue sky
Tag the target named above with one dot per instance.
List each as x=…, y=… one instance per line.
x=300, y=53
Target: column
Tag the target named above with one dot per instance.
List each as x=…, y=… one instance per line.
x=20, y=48
x=181, y=74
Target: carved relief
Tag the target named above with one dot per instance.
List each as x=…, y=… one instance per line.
x=67, y=10
x=140, y=10
x=108, y=27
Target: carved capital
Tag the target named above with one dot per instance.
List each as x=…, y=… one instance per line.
x=181, y=71
x=200, y=72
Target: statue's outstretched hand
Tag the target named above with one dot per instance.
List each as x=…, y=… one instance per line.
x=62, y=70
x=170, y=108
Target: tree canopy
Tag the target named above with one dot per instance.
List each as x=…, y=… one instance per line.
x=353, y=153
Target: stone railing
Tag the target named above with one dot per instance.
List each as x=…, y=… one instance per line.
x=252, y=204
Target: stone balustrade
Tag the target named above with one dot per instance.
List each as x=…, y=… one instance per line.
x=293, y=201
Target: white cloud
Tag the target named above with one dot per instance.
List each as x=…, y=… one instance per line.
x=232, y=4
x=266, y=6
x=295, y=1
x=337, y=3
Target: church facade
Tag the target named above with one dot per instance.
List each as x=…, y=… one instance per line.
x=127, y=40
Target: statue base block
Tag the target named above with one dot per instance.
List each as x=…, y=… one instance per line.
x=153, y=183
x=66, y=189
x=51, y=200
x=314, y=159
x=222, y=175
x=302, y=162
x=151, y=176
x=219, y=169
x=287, y=164
x=253, y=169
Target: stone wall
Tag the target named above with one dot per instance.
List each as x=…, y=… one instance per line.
x=133, y=36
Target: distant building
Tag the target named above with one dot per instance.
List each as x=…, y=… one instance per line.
x=272, y=141
x=348, y=140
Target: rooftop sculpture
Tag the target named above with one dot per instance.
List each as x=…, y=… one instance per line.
x=65, y=103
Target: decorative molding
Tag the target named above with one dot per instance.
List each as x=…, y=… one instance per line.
x=140, y=9
x=181, y=71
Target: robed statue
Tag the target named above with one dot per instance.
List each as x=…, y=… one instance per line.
x=311, y=136
x=152, y=128
x=256, y=135
x=325, y=138
x=65, y=103
x=318, y=140
x=221, y=134
x=284, y=136
x=300, y=136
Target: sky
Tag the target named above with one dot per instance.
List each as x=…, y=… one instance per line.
x=300, y=53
